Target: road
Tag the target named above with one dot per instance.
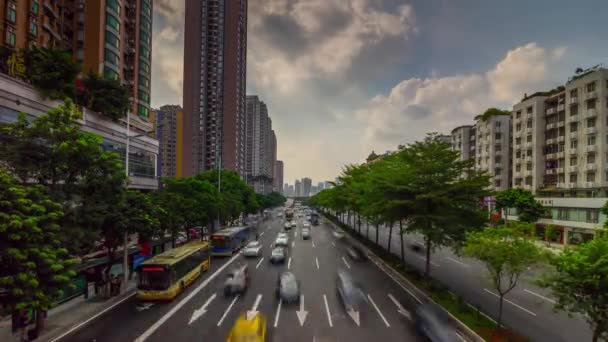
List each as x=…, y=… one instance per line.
x=203, y=313
x=528, y=308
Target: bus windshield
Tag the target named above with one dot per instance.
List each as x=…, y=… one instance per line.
x=154, y=278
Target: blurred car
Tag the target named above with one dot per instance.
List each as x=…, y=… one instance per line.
x=305, y=233
x=253, y=249
x=249, y=330
x=417, y=247
x=280, y=214
x=287, y=225
x=349, y=291
x=306, y=225
x=356, y=253
x=237, y=280
x=293, y=224
x=433, y=322
x=278, y=255
x=338, y=235
x=281, y=240
x=288, y=288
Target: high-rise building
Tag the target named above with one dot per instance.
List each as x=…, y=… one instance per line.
x=169, y=122
x=493, y=149
x=260, y=146
x=461, y=141
x=215, y=60
x=286, y=191
x=278, y=176
x=298, y=192
x=321, y=186
x=306, y=186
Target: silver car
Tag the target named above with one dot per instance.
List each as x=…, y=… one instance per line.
x=349, y=291
x=237, y=280
x=253, y=249
x=288, y=288
x=305, y=233
x=278, y=255
x=282, y=240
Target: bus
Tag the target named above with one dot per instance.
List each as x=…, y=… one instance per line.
x=166, y=275
x=229, y=240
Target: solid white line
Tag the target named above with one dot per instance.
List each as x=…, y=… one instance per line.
x=262, y=233
x=424, y=259
x=92, y=318
x=378, y=309
x=510, y=302
x=276, y=317
x=183, y=302
x=398, y=282
x=317, y=261
x=258, y=299
x=227, y=310
x=293, y=244
x=458, y=262
x=259, y=263
x=327, y=309
x=347, y=265
x=289, y=263
x=540, y=296
x=481, y=312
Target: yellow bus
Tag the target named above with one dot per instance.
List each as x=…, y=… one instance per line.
x=166, y=275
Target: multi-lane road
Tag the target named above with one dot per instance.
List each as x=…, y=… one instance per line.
x=203, y=313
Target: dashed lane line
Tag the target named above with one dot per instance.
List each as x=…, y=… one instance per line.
x=378, y=309
x=259, y=263
x=345, y=263
x=227, y=310
x=510, y=302
x=540, y=296
x=276, y=317
x=458, y=262
x=327, y=310
x=317, y=262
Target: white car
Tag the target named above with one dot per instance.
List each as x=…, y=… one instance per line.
x=282, y=240
x=253, y=249
x=306, y=225
x=287, y=225
x=294, y=224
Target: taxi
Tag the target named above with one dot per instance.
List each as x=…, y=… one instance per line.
x=248, y=330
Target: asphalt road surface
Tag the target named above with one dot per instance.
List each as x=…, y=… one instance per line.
x=528, y=309
x=203, y=313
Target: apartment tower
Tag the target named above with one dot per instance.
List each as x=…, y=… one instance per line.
x=215, y=59
x=278, y=176
x=169, y=123
x=493, y=143
x=461, y=140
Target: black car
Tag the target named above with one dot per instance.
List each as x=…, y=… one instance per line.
x=417, y=247
x=288, y=288
x=356, y=253
x=433, y=322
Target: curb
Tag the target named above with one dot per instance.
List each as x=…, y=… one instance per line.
x=466, y=333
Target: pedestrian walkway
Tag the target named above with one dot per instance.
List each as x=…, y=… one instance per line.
x=70, y=314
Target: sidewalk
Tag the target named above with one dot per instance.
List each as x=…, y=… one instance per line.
x=71, y=314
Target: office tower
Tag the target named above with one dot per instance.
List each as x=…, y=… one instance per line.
x=298, y=189
x=321, y=186
x=169, y=127
x=215, y=60
x=286, y=190
x=493, y=149
x=278, y=176
x=306, y=186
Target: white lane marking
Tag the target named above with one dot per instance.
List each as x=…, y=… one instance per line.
x=347, y=265
x=378, y=309
x=333, y=244
x=183, y=302
x=293, y=244
x=510, y=302
x=481, y=312
x=302, y=313
x=254, y=309
x=203, y=309
x=289, y=263
x=398, y=282
x=74, y=328
x=262, y=233
x=327, y=310
x=313, y=244
x=276, y=317
x=540, y=296
x=259, y=263
x=317, y=262
x=458, y=262
x=227, y=310
x=400, y=308
x=424, y=259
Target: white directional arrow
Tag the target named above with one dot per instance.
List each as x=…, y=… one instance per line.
x=198, y=313
x=354, y=314
x=144, y=306
x=302, y=313
x=400, y=308
x=254, y=310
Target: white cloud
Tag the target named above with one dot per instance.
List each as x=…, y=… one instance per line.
x=417, y=106
x=169, y=34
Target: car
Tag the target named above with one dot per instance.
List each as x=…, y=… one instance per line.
x=338, y=235
x=237, y=280
x=432, y=322
x=278, y=255
x=349, y=291
x=248, y=329
x=280, y=215
x=253, y=249
x=356, y=253
x=306, y=225
x=287, y=225
x=305, y=233
x=288, y=288
x=307, y=217
x=417, y=247
x=293, y=224
x=282, y=240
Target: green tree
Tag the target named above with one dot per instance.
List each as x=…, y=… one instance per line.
x=580, y=283
x=234, y=194
x=528, y=209
x=34, y=266
x=51, y=71
x=506, y=252
x=106, y=96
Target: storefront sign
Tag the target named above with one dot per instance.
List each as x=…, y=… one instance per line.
x=16, y=65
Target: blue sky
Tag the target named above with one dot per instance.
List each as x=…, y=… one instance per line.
x=344, y=77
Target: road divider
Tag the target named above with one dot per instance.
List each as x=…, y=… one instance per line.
x=227, y=310
x=378, y=310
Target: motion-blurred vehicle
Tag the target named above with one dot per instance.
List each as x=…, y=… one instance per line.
x=281, y=240
x=293, y=224
x=287, y=225
x=349, y=291
x=237, y=280
x=338, y=235
x=356, y=253
x=306, y=224
x=248, y=330
x=278, y=255
x=417, y=247
x=288, y=288
x=253, y=249
x=305, y=233
x=279, y=214
x=434, y=323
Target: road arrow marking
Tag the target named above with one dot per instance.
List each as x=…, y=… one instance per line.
x=346, y=263
x=317, y=262
x=254, y=310
x=354, y=314
x=400, y=308
x=289, y=263
x=378, y=309
x=227, y=310
x=327, y=310
x=259, y=263
x=262, y=233
x=313, y=244
x=144, y=306
x=302, y=313
x=276, y=317
x=198, y=313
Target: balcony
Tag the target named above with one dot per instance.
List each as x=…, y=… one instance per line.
x=561, y=108
x=49, y=8
x=551, y=141
x=551, y=111
x=560, y=170
x=561, y=185
x=528, y=159
x=574, y=135
x=574, y=118
x=561, y=155
x=591, y=95
x=589, y=184
x=528, y=144
x=527, y=173
x=591, y=148
x=561, y=124
x=498, y=165
x=573, y=100
x=551, y=156
x=517, y=174
x=561, y=138
x=591, y=113
x=590, y=167
x=573, y=151
x=550, y=126
x=591, y=130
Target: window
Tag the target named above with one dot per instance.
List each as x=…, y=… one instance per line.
x=573, y=178
x=144, y=67
x=591, y=140
x=112, y=40
x=33, y=28
x=11, y=15
x=591, y=122
x=529, y=153
x=592, y=215
x=529, y=166
x=517, y=141
x=591, y=177
x=111, y=57
x=144, y=96
x=573, y=143
x=114, y=5
x=143, y=81
x=146, y=8
x=518, y=127
x=573, y=161
x=11, y=38
x=112, y=22
x=591, y=104
x=144, y=51
x=529, y=110
x=35, y=7
x=562, y=214
x=142, y=111
x=529, y=124
x=517, y=168
x=529, y=138
x=591, y=86
x=591, y=158
x=574, y=93
x=573, y=126
x=497, y=136
x=574, y=110
x=518, y=114
x=497, y=124
x=110, y=74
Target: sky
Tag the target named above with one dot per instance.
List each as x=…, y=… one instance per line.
x=344, y=77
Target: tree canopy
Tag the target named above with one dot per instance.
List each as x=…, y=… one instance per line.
x=528, y=209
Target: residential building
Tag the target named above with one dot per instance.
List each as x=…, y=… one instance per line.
x=461, y=141
x=306, y=187
x=493, y=149
x=445, y=138
x=215, y=60
x=169, y=128
x=278, y=176
x=298, y=192
x=260, y=142
x=321, y=186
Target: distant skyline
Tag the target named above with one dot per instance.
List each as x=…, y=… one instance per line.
x=344, y=77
